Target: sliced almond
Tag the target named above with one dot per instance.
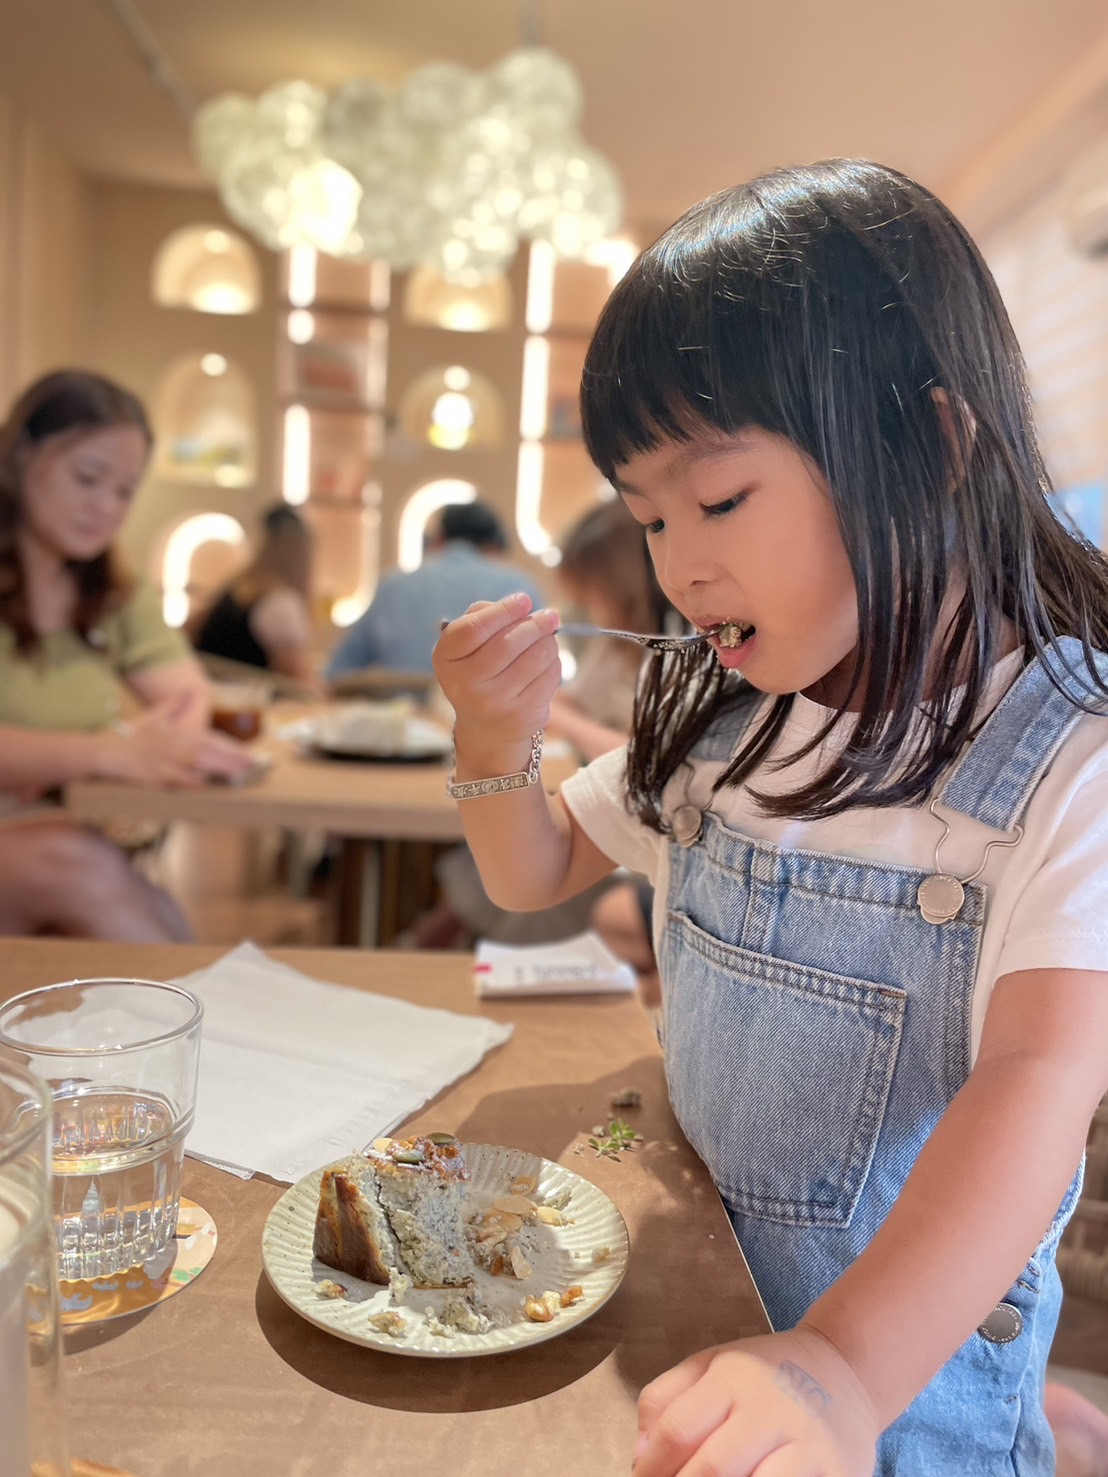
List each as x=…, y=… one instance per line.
x=503, y=1218
x=383, y=1145
x=515, y=1205
x=549, y=1216
x=524, y=1184
x=520, y=1265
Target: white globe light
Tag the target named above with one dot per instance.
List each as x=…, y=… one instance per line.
x=538, y=86
x=450, y=169
x=222, y=125
x=294, y=110
x=440, y=96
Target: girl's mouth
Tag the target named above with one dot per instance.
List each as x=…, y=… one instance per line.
x=731, y=639
x=732, y=633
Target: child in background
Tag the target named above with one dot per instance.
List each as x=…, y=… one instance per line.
x=875, y=810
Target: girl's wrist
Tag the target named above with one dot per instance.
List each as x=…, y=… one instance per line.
x=479, y=759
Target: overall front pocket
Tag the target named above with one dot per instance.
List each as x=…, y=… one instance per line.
x=779, y=1074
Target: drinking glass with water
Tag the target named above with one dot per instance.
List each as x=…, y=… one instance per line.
x=120, y=1058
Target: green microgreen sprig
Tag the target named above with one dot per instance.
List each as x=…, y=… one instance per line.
x=620, y=1136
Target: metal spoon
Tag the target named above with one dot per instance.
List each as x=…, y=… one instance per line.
x=656, y=643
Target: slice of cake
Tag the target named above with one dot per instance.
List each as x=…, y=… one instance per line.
x=396, y=1212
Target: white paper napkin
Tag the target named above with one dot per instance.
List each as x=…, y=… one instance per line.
x=582, y=965
x=295, y=1073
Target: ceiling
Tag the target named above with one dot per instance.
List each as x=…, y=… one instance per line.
x=684, y=99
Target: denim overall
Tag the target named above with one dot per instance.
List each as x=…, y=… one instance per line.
x=816, y=1027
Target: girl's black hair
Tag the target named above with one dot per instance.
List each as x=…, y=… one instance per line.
x=826, y=304
x=66, y=402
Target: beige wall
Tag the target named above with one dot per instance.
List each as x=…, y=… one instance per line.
x=134, y=340
x=44, y=218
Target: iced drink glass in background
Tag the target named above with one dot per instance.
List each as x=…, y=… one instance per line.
x=238, y=708
x=32, y=1416
x=120, y=1059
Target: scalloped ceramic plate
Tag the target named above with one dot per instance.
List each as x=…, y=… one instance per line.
x=565, y=1258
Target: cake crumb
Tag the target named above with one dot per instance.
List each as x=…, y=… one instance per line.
x=328, y=1288
x=389, y=1322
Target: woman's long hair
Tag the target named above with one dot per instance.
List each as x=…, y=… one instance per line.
x=827, y=304
x=606, y=550
x=69, y=402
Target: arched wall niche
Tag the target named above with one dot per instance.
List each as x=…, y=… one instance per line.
x=207, y=269
x=204, y=412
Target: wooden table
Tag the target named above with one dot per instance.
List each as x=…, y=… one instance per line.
x=224, y=1380
x=361, y=804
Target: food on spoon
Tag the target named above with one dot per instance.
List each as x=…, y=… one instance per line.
x=731, y=633
x=397, y=1212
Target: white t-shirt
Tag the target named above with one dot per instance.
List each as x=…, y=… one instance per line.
x=1047, y=897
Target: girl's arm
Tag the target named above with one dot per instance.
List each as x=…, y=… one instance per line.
x=980, y=1197
x=499, y=667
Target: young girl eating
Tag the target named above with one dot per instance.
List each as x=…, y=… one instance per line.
x=874, y=806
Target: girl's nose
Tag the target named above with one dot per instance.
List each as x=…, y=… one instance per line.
x=685, y=563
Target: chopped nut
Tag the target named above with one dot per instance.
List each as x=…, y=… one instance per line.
x=520, y=1265
x=549, y=1216
x=330, y=1289
x=498, y=1266
x=572, y=1295
x=537, y=1310
x=600, y=1255
x=524, y=1184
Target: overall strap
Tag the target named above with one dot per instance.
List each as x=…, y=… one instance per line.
x=998, y=773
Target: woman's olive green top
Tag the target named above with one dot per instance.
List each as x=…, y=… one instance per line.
x=71, y=685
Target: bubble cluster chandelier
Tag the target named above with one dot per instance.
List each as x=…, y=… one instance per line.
x=452, y=168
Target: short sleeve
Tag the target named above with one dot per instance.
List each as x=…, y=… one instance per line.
x=1059, y=918
x=595, y=796
x=139, y=637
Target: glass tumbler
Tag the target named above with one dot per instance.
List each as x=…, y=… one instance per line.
x=32, y=1413
x=120, y=1058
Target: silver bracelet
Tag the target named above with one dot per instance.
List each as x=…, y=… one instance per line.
x=474, y=789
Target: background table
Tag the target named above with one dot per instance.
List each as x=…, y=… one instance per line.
x=362, y=804
x=224, y=1380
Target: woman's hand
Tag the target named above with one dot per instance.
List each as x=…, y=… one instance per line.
x=499, y=667
x=165, y=745
x=782, y=1405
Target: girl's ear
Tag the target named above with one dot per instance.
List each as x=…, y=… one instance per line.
x=959, y=431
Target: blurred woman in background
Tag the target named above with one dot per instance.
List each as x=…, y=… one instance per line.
x=92, y=681
x=263, y=616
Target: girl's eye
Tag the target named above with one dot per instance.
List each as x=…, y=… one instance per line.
x=720, y=510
